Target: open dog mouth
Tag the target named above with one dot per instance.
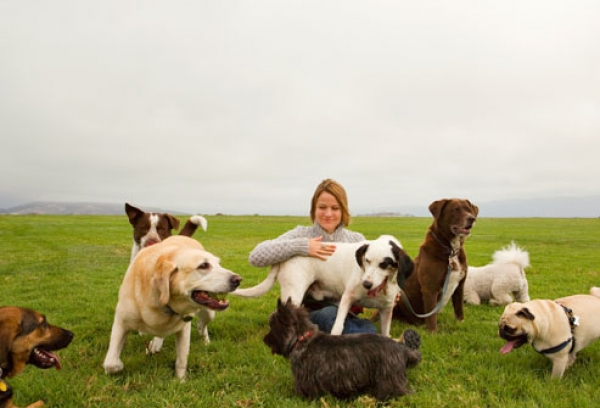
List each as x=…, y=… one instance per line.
x=512, y=342
x=378, y=289
x=209, y=300
x=150, y=242
x=462, y=230
x=43, y=359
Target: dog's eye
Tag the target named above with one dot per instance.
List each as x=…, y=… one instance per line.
x=204, y=265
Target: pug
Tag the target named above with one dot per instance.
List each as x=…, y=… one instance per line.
x=558, y=329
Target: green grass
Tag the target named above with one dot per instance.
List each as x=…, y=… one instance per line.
x=70, y=268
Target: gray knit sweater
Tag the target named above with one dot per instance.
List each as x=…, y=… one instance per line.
x=295, y=243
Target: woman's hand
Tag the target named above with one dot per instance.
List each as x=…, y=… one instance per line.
x=319, y=249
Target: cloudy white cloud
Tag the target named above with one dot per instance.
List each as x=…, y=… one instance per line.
x=243, y=107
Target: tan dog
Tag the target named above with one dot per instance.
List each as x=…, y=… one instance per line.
x=557, y=329
x=26, y=337
x=165, y=285
x=441, y=265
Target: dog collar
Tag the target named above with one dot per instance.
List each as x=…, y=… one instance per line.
x=450, y=251
x=303, y=337
x=185, y=318
x=573, y=321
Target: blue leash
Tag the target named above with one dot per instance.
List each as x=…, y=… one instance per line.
x=437, y=307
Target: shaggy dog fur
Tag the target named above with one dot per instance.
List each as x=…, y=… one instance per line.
x=498, y=282
x=344, y=366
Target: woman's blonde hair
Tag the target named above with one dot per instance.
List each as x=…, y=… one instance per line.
x=335, y=189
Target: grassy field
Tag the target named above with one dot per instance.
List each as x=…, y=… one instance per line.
x=70, y=268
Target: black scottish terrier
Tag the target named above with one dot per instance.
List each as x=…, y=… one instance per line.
x=344, y=366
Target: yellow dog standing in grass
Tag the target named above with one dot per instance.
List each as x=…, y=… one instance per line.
x=165, y=285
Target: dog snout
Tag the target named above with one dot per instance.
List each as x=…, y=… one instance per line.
x=235, y=281
x=367, y=284
x=61, y=338
x=505, y=330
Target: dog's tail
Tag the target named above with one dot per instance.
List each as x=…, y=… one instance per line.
x=512, y=254
x=595, y=291
x=192, y=224
x=261, y=288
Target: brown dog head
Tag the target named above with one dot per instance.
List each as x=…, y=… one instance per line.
x=27, y=338
x=454, y=217
x=150, y=228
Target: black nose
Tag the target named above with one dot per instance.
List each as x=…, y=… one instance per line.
x=367, y=284
x=235, y=281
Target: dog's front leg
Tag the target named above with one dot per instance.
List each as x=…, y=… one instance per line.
x=112, y=363
x=343, y=309
x=458, y=300
x=182, y=346
x=430, y=300
x=205, y=316
x=385, y=320
x=559, y=365
x=155, y=345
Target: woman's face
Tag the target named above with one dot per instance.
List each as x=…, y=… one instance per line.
x=328, y=212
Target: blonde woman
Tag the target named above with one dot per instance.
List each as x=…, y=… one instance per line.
x=330, y=216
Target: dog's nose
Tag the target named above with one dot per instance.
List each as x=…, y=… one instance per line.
x=367, y=284
x=235, y=281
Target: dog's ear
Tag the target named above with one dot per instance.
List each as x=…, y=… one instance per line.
x=525, y=313
x=161, y=279
x=9, y=329
x=474, y=208
x=436, y=207
x=132, y=213
x=360, y=254
x=281, y=306
x=173, y=222
x=30, y=320
x=396, y=250
x=407, y=267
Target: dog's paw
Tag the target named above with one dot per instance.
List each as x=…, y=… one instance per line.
x=113, y=368
x=154, y=346
x=410, y=339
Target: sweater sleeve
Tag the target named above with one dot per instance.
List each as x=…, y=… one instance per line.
x=282, y=248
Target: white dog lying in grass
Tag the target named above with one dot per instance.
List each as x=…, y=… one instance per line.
x=500, y=280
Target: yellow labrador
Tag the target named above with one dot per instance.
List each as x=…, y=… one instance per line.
x=165, y=285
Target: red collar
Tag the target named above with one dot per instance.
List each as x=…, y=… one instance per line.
x=303, y=337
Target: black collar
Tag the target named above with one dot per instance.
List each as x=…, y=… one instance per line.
x=186, y=318
x=572, y=323
x=447, y=247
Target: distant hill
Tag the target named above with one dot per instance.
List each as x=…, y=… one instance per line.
x=552, y=207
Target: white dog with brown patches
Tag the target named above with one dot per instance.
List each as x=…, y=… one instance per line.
x=165, y=285
x=557, y=329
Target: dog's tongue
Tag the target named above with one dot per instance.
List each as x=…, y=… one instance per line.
x=508, y=347
x=47, y=358
x=375, y=292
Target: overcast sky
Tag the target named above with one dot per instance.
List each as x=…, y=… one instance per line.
x=243, y=107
